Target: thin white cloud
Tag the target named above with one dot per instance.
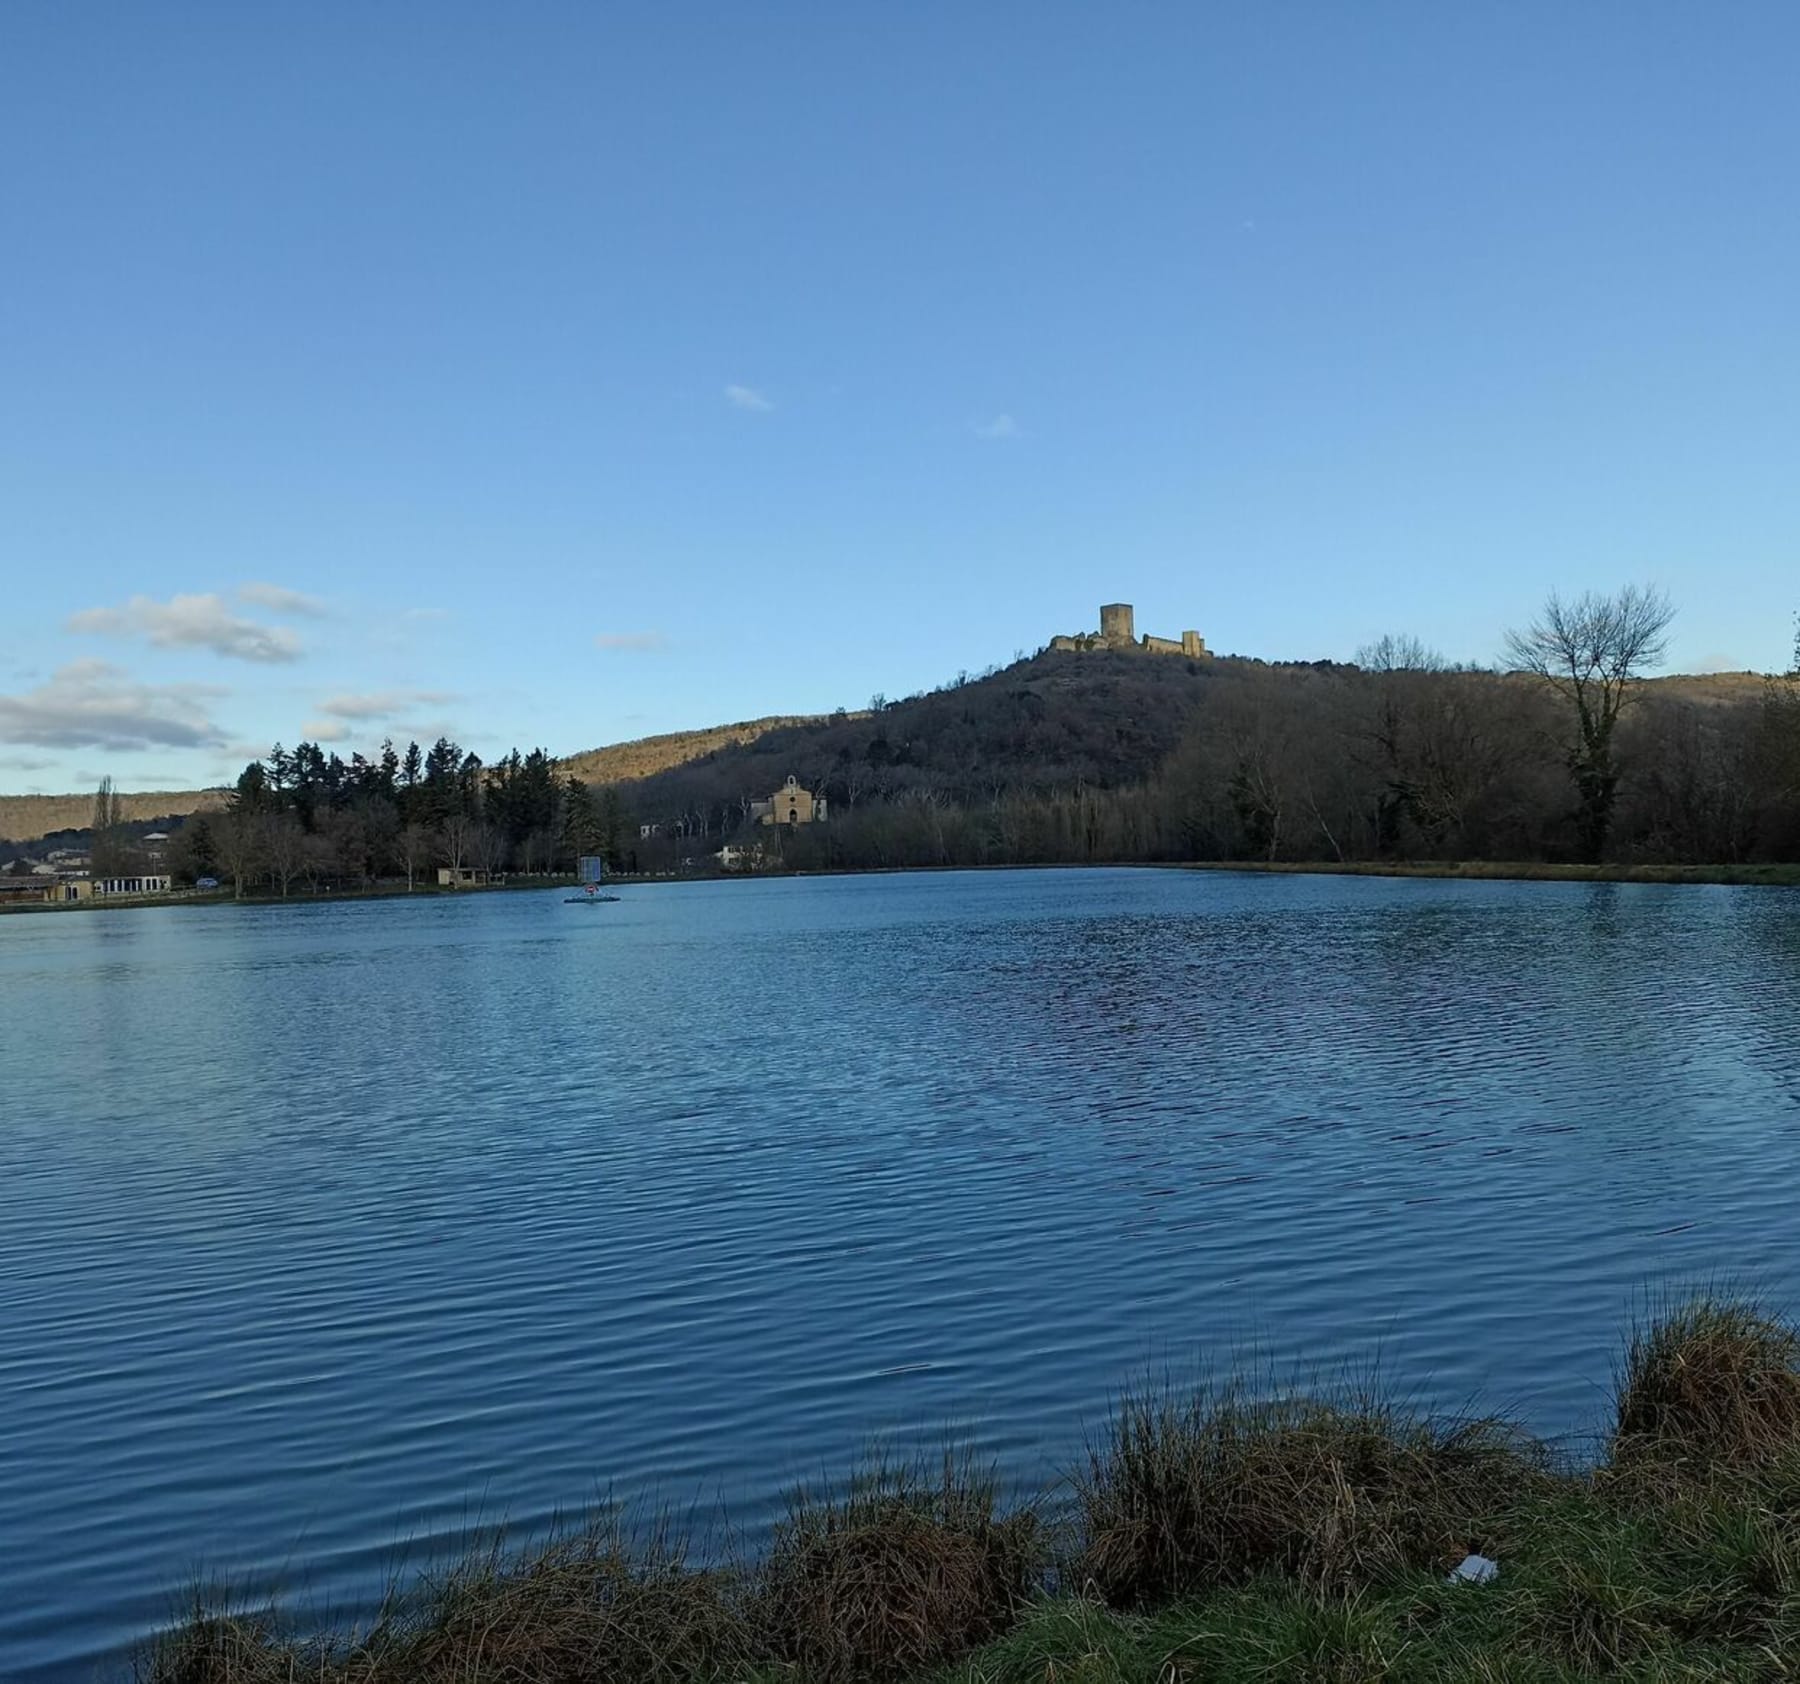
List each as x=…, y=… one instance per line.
x=93, y=704
x=278, y=599
x=191, y=622
x=1720, y=661
x=383, y=704
x=747, y=397
x=427, y=614
x=1001, y=427
x=325, y=731
x=647, y=642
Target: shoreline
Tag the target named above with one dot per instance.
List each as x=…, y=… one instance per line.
x=214, y=897
x=1774, y=876
x=1256, y=1534
x=1770, y=876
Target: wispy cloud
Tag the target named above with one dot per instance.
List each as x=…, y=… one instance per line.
x=427, y=614
x=278, y=599
x=325, y=731
x=383, y=704
x=93, y=704
x=747, y=397
x=191, y=622
x=645, y=642
x=1001, y=427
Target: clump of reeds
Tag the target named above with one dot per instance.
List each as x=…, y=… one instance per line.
x=908, y=1568
x=589, y=1607
x=1187, y=1493
x=210, y=1647
x=597, y=1607
x=1711, y=1386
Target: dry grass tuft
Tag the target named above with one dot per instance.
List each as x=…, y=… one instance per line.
x=590, y=1608
x=1188, y=1494
x=212, y=1648
x=906, y=1571
x=1709, y=1387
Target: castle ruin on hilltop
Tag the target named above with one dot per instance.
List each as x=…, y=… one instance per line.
x=1118, y=631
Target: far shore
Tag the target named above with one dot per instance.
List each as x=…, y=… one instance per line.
x=1784, y=875
x=1527, y=871
x=385, y=889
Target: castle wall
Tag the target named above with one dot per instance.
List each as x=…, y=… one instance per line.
x=1118, y=630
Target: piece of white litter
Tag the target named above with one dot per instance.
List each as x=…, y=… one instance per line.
x=1474, y=1570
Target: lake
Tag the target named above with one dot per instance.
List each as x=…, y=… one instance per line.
x=330, y=1230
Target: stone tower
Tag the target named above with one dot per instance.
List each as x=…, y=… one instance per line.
x=1117, y=623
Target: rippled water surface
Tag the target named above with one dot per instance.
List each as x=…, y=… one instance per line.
x=325, y=1228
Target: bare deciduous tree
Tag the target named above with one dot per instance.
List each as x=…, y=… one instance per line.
x=1592, y=651
x=284, y=848
x=1399, y=652
x=237, y=838
x=456, y=842
x=415, y=847
x=490, y=849
x=111, y=853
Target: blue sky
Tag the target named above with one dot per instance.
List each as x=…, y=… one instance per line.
x=563, y=373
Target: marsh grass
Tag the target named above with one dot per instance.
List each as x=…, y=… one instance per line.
x=1709, y=1385
x=910, y=1566
x=596, y=1605
x=1218, y=1537
x=1188, y=1493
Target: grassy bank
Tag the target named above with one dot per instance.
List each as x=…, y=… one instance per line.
x=1779, y=876
x=1217, y=1536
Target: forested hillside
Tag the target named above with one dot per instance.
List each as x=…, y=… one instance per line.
x=26, y=818
x=1128, y=756
x=29, y=818
x=1051, y=723
x=643, y=757
x=1572, y=756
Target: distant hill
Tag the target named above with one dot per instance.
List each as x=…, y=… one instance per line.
x=1047, y=725
x=1052, y=722
x=645, y=756
x=26, y=818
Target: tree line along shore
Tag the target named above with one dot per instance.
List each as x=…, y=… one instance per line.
x=1236, y=1534
x=1572, y=756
